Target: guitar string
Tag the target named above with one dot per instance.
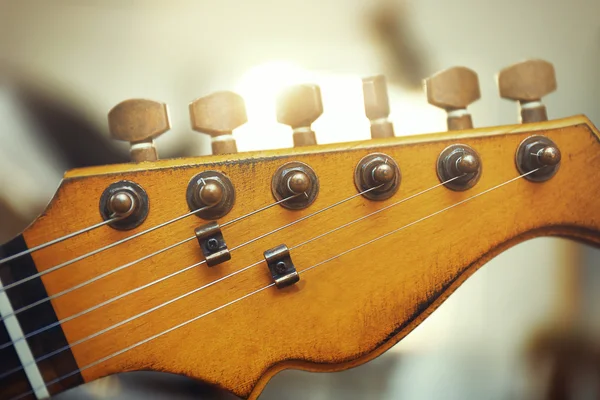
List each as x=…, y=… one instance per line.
x=57, y=351
x=72, y=235
x=187, y=322
x=96, y=334
x=124, y=240
x=92, y=227
x=58, y=240
x=79, y=258
x=134, y=262
x=8, y=344
x=91, y=253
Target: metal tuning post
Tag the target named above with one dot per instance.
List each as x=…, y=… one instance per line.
x=538, y=152
x=281, y=266
x=379, y=171
x=139, y=122
x=453, y=90
x=212, y=244
x=127, y=202
x=212, y=193
x=299, y=106
x=461, y=162
x=527, y=82
x=298, y=180
x=377, y=106
x=218, y=115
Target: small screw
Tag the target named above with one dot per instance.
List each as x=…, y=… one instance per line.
x=212, y=244
x=280, y=267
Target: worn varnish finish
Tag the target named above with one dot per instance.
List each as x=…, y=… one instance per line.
x=340, y=314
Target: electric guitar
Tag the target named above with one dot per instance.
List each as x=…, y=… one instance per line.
x=231, y=267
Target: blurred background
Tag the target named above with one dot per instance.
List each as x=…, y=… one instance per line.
x=522, y=327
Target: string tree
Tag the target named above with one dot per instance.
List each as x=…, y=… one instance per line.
x=527, y=82
x=298, y=107
x=377, y=106
x=139, y=122
x=212, y=243
x=218, y=115
x=281, y=266
x=453, y=90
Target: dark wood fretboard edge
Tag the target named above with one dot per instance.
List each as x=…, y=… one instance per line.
x=31, y=320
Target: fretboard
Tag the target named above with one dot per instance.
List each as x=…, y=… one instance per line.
x=21, y=367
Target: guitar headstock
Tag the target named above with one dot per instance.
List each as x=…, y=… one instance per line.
x=231, y=267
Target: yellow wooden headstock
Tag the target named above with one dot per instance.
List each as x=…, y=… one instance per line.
x=370, y=270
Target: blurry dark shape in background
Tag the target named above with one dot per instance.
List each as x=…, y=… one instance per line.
x=404, y=58
x=62, y=126
x=78, y=142
x=566, y=359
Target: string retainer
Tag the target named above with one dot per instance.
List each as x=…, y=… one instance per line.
x=281, y=266
x=212, y=243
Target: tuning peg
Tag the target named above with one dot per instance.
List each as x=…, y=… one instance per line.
x=377, y=106
x=139, y=122
x=299, y=106
x=217, y=115
x=453, y=90
x=527, y=82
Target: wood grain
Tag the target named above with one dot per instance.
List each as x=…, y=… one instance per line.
x=340, y=314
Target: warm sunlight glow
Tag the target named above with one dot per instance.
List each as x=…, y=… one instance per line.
x=343, y=118
x=259, y=87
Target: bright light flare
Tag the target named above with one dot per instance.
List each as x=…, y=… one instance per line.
x=343, y=118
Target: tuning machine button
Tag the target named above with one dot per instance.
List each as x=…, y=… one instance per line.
x=139, y=122
x=298, y=181
x=461, y=163
x=127, y=201
x=299, y=106
x=538, y=152
x=211, y=191
x=378, y=171
x=453, y=90
x=527, y=82
x=217, y=115
x=377, y=106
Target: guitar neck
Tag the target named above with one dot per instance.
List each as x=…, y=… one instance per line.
x=412, y=279
x=231, y=267
x=16, y=327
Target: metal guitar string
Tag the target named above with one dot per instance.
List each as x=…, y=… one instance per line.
x=108, y=221
x=91, y=253
x=187, y=322
x=57, y=351
x=58, y=240
x=124, y=266
x=74, y=260
x=8, y=344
